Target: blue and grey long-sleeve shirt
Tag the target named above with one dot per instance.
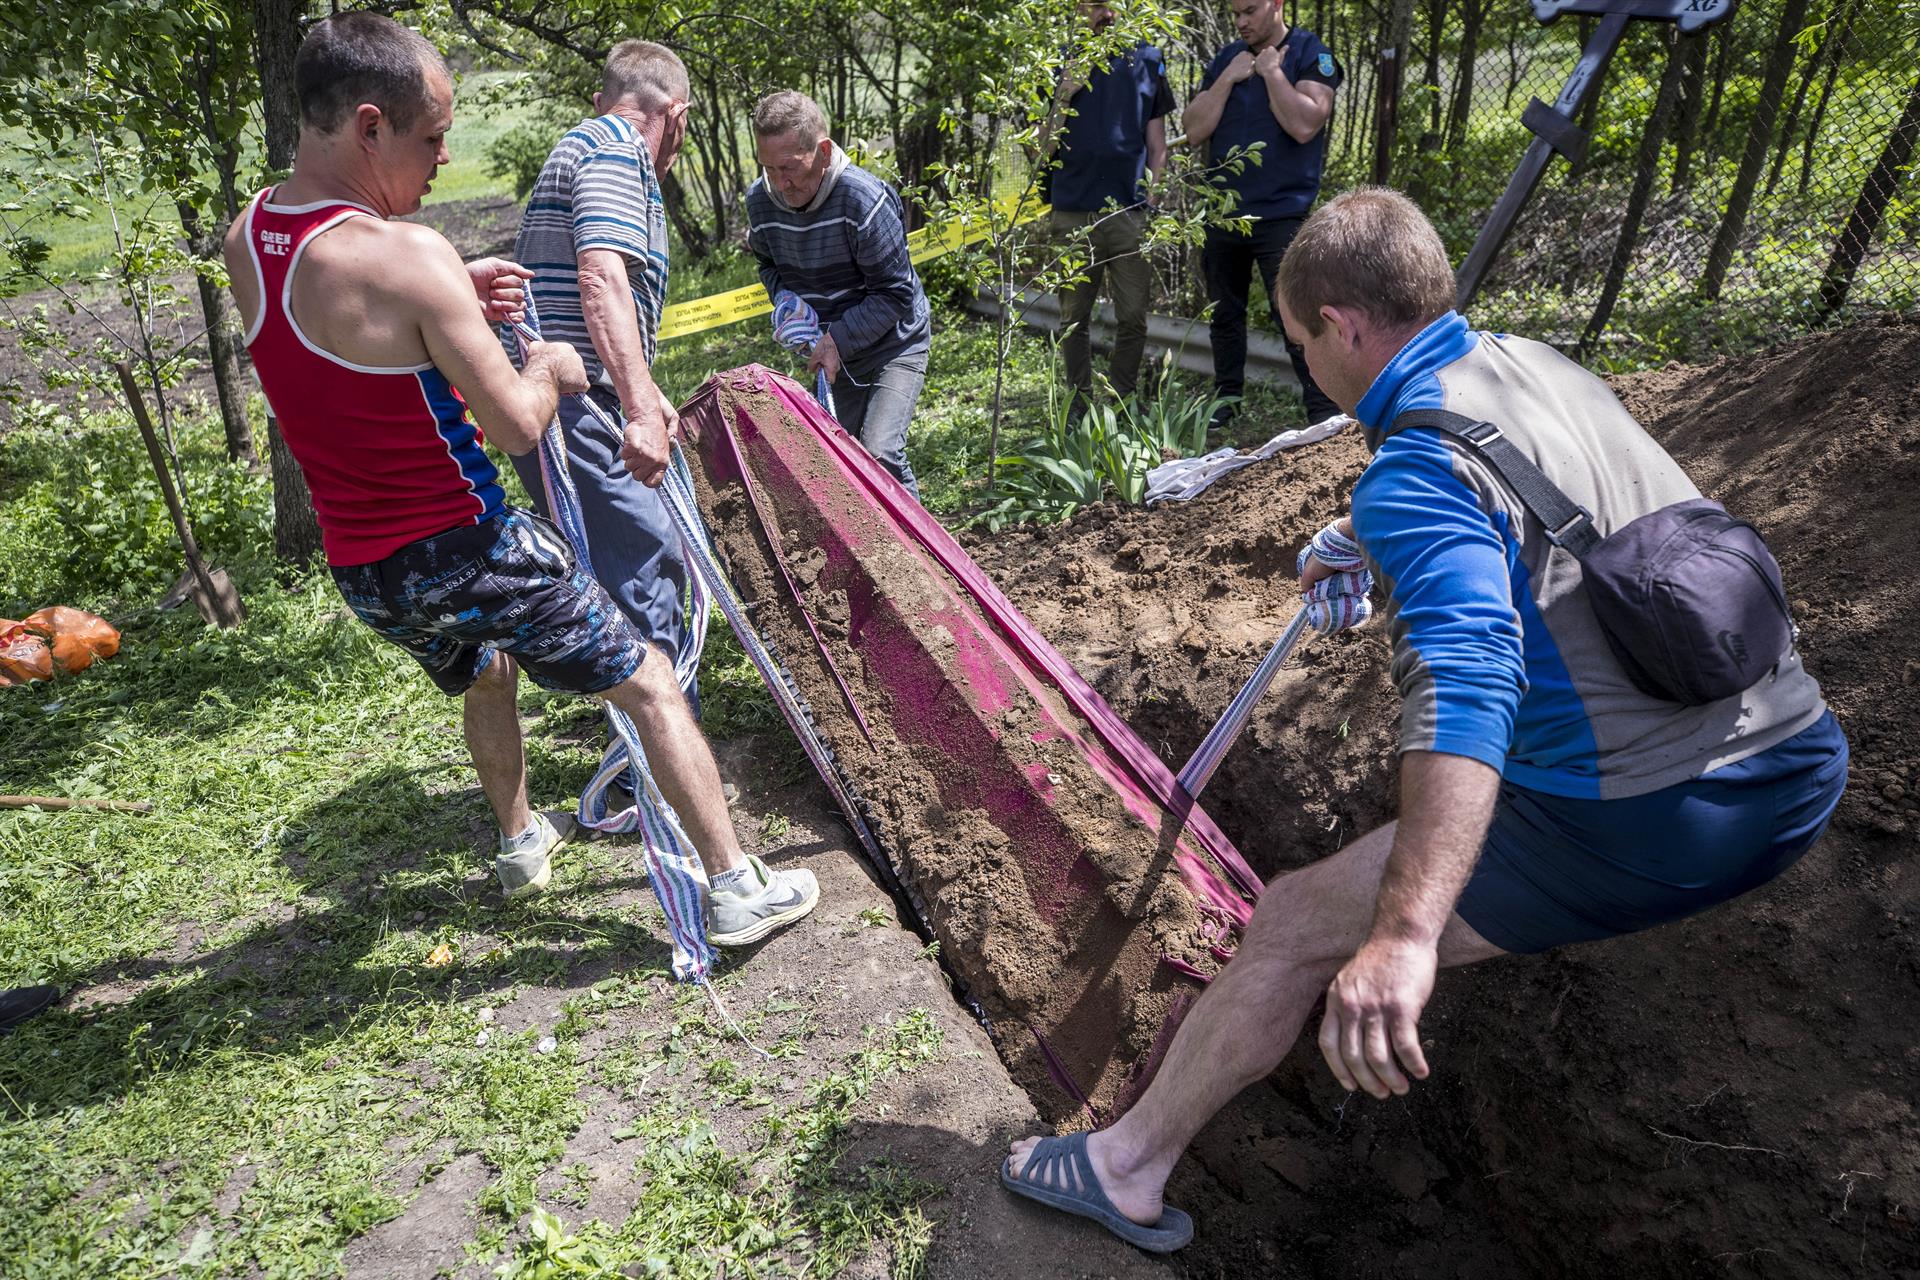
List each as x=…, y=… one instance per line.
x=846, y=255
x=1497, y=653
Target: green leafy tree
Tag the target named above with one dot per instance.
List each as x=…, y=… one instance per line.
x=1038, y=48
x=141, y=112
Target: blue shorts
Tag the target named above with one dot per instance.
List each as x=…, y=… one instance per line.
x=508, y=585
x=1556, y=870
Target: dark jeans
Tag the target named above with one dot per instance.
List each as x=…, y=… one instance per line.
x=1228, y=259
x=878, y=412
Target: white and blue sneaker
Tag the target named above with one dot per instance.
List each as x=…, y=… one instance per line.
x=525, y=862
x=752, y=901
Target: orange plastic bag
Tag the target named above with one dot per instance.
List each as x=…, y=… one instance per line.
x=75, y=636
x=24, y=656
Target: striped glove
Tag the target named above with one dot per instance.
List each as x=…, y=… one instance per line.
x=795, y=324
x=1340, y=601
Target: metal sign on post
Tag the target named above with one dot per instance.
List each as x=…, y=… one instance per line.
x=1553, y=127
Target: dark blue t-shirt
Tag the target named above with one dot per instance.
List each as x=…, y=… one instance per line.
x=1285, y=182
x=1103, y=145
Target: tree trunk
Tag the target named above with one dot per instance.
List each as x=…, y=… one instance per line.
x=674, y=196
x=1436, y=31
x=1472, y=17
x=222, y=353
x=296, y=529
x=1693, y=96
x=1721, y=56
x=277, y=36
x=919, y=146
x=1855, y=239
x=1792, y=121
x=713, y=168
x=1393, y=58
x=1793, y=16
x=1646, y=169
x=1833, y=51
x=1513, y=65
x=1356, y=112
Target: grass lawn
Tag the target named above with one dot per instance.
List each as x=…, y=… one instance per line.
x=267, y=1059
x=298, y=998
x=483, y=110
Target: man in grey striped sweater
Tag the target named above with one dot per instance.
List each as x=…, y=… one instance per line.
x=832, y=233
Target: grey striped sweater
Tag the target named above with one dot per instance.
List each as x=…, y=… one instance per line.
x=847, y=256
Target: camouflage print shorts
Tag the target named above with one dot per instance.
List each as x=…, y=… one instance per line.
x=508, y=584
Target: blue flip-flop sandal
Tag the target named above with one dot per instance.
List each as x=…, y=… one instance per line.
x=1045, y=1178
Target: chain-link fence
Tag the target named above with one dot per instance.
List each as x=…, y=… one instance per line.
x=1740, y=185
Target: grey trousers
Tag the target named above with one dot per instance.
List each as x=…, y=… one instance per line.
x=1114, y=242
x=879, y=413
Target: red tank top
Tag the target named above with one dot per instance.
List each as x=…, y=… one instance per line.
x=388, y=452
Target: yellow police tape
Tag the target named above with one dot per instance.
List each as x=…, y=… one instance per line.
x=735, y=305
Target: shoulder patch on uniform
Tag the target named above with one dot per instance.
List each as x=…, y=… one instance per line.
x=1326, y=63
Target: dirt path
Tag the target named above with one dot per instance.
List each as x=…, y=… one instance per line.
x=854, y=968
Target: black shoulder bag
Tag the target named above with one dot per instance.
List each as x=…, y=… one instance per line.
x=1688, y=597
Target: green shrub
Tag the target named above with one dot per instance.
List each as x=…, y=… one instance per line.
x=85, y=524
x=518, y=154
x=1086, y=450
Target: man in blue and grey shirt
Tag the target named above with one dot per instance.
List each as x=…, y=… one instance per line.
x=1545, y=799
x=1272, y=87
x=1114, y=136
x=835, y=235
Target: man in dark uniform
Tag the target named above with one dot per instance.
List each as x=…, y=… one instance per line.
x=1273, y=86
x=1115, y=134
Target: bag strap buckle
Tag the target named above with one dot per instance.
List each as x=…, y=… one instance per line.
x=1572, y=529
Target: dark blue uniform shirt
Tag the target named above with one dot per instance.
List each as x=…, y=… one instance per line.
x=1103, y=145
x=1285, y=182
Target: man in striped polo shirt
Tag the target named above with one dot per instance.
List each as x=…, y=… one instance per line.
x=594, y=235
x=829, y=231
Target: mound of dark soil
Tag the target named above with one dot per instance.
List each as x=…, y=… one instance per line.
x=1731, y=1095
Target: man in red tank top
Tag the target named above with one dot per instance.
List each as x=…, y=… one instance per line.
x=361, y=329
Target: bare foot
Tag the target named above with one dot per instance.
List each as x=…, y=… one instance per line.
x=1137, y=1197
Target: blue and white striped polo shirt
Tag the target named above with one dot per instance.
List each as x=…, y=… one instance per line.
x=596, y=191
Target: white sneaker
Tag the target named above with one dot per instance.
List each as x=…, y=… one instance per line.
x=525, y=872
x=760, y=903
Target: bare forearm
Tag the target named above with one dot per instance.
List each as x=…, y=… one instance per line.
x=1298, y=113
x=1202, y=115
x=1156, y=150
x=606, y=303
x=1446, y=802
x=535, y=397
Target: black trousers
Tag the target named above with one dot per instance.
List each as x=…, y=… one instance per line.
x=1229, y=258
